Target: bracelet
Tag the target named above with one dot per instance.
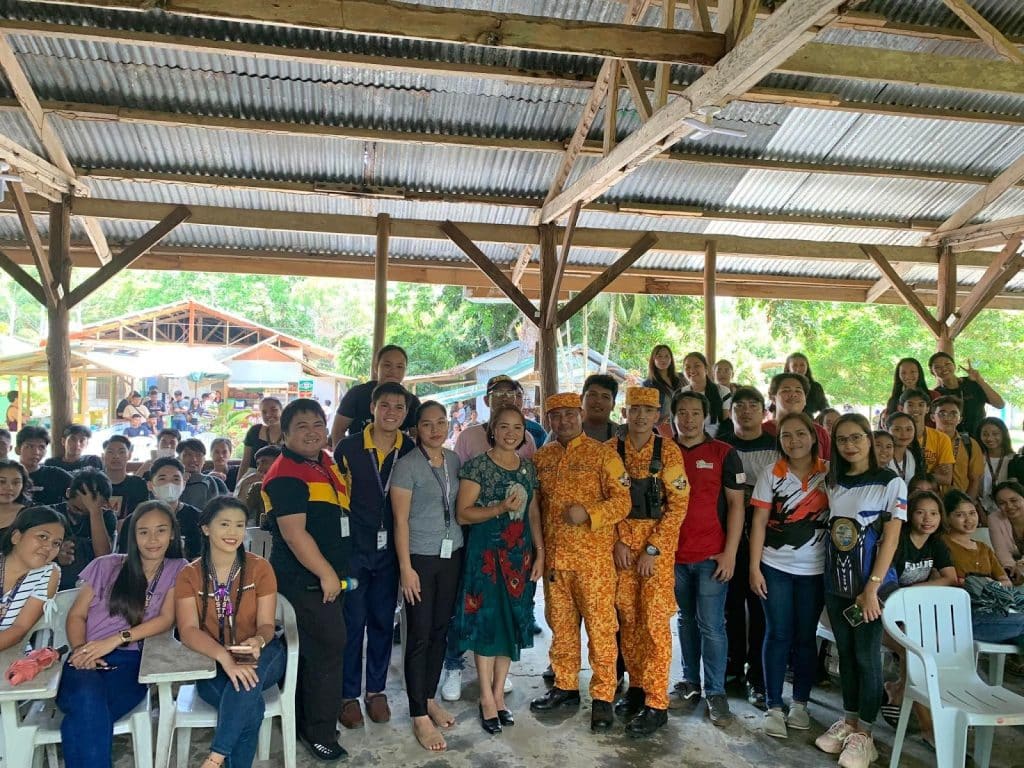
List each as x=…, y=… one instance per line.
x=875, y=579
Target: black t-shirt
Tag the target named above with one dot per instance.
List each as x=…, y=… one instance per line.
x=49, y=485
x=90, y=462
x=81, y=533
x=915, y=565
x=255, y=442
x=355, y=405
x=127, y=495
x=974, y=399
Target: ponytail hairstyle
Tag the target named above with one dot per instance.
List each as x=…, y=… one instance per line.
x=214, y=507
x=128, y=593
x=914, y=447
x=30, y=517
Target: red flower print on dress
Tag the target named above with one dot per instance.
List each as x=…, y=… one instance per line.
x=489, y=567
x=515, y=581
x=473, y=603
x=512, y=536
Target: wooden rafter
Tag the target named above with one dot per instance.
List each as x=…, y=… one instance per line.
x=489, y=268
x=385, y=18
x=983, y=235
x=636, y=90
x=52, y=291
x=981, y=199
x=882, y=285
x=22, y=278
x=550, y=308
x=37, y=174
x=1003, y=268
x=606, y=278
x=128, y=256
x=985, y=30
x=907, y=293
x=663, y=72
x=786, y=30
x=41, y=126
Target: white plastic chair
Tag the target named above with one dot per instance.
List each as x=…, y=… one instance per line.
x=996, y=653
x=192, y=712
x=44, y=719
x=260, y=542
x=941, y=674
x=983, y=535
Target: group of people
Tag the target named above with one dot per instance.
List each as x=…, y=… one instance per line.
x=743, y=516
x=146, y=417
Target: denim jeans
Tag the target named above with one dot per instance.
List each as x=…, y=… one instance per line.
x=92, y=701
x=791, y=617
x=989, y=628
x=860, y=660
x=701, y=621
x=240, y=713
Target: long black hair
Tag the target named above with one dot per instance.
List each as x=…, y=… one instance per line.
x=128, y=593
x=670, y=381
x=31, y=517
x=838, y=467
x=897, y=385
x=25, y=497
x=710, y=388
x=799, y=356
x=425, y=406
x=213, y=508
x=914, y=447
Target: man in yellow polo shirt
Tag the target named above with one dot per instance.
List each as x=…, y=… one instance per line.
x=584, y=492
x=936, y=447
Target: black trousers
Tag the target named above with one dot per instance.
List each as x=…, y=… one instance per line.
x=744, y=623
x=321, y=645
x=427, y=626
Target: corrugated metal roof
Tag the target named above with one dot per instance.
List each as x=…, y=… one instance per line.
x=1006, y=15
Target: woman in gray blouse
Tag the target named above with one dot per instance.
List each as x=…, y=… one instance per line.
x=428, y=540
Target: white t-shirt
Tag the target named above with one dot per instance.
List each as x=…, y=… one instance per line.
x=869, y=496
x=797, y=510
x=907, y=469
x=34, y=585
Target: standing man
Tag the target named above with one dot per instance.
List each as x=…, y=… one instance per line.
x=366, y=460
x=972, y=390
x=599, y=393
x=788, y=392
x=584, y=492
x=126, y=491
x=355, y=411
x=935, y=446
x=706, y=554
x=76, y=440
x=49, y=484
x=744, y=614
x=644, y=597
x=968, y=458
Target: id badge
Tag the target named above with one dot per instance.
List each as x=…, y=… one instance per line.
x=382, y=540
x=446, y=549
x=344, y=527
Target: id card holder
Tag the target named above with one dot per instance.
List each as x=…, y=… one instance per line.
x=345, y=531
x=446, y=548
x=382, y=540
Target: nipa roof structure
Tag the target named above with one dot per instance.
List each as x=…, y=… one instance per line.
x=286, y=140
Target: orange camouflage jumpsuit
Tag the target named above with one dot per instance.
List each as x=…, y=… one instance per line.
x=646, y=605
x=580, y=571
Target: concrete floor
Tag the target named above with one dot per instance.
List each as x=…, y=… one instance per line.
x=689, y=739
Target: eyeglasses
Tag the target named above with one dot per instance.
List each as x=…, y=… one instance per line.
x=851, y=439
x=948, y=414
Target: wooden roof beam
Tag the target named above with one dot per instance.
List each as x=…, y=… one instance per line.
x=607, y=277
x=53, y=291
x=980, y=200
x=999, y=273
x=907, y=293
x=882, y=285
x=38, y=175
x=982, y=235
x=985, y=30
x=751, y=59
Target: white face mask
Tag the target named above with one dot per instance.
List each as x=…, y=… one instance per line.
x=167, y=493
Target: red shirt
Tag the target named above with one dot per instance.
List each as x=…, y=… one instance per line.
x=712, y=467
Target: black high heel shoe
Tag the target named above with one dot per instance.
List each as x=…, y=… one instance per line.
x=490, y=724
x=505, y=717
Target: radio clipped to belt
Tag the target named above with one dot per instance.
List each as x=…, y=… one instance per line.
x=646, y=494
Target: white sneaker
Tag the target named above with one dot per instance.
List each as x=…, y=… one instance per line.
x=858, y=751
x=833, y=740
x=508, y=684
x=775, y=723
x=798, y=717
x=451, y=689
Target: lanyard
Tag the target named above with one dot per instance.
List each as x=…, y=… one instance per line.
x=316, y=465
x=901, y=469
x=222, y=601
x=382, y=484
x=6, y=600
x=998, y=469
x=151, y=587
x=445, y=486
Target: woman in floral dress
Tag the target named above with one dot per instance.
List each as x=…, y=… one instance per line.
x=504, y=559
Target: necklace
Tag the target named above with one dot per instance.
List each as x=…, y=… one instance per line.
x=151, y=586
x=222, y=599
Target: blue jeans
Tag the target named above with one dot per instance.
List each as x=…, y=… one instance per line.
x=240, y=713
x=791, y=625
x=92, y=701
x=989, y=628
x=701, y=621
x=369, y=611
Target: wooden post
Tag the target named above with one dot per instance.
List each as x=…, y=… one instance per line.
x=58, y=344
x=547, y=348
x=83, y=397
x=946, y=298
x=710, y=318
x=380, y=287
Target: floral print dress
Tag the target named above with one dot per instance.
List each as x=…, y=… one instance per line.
x=495, y=614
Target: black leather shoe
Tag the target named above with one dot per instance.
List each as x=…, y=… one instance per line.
x=630, y=704
x=490, y=724
x=647, y=722
x=505, y=717
x=548, y=675
x=601, y=715
x=555, y=698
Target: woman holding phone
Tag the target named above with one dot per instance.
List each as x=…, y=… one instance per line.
x=225, y=605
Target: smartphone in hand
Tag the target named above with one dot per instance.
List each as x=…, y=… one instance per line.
x=242, y=654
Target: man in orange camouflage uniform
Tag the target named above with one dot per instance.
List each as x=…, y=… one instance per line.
x=584, y=492
x=645, y=559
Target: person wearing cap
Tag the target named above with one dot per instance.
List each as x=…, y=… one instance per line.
x=472, y=441
x=584, y=493
x=76, y=439
x=645, y=595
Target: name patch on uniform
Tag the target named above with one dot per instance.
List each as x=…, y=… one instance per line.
x=701, y=464
x=679, y=483
x=741, y=478
x=624, y=480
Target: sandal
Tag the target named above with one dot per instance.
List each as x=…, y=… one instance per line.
x=351, y=715
x=326, y=752
x=377, y=707
x=890, y=711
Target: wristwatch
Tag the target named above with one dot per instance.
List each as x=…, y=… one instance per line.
x=126, y=637
x=652, y=550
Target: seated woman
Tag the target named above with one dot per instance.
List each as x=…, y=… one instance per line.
x=121, y=602
x=975, y=558
x=14, y=496
x=28, y=576
x=1006, y=526
x=225, y=605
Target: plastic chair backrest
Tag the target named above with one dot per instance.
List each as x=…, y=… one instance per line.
x=983, y=535
x=59, y=624
x=286, y=617
x=260, y=542
x=939, y=620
